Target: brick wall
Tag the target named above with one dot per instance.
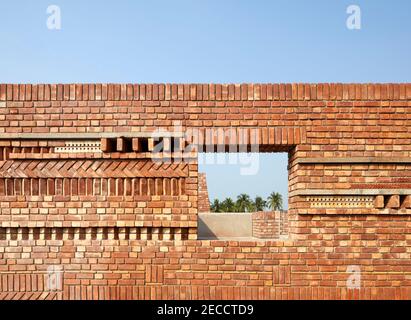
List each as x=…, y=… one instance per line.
x=203, y=200
x=112, y=216
x=269, y=224
x=136, y=269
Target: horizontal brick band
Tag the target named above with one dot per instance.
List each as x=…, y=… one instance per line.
x=28, y=286
x=341, y=201
x=314, y=192
x=86, y=135
x=165, y=156
x=281, y=291
x=93, y=233
x=92, y=186
x=91, y=169
x=204, y=92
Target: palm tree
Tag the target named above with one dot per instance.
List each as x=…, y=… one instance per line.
x=259, y=203
x=275, y=201
x=215, y=206
x=251, y=207
x=243, y=202
x=228, y=205
x=236, y=208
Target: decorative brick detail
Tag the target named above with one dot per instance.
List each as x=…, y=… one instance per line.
x=206, y=92
x=92, y=169
x=393, y=201
x=122, y=225
x=379, y=202
x=6, y=151
x=94, y=233
x=28, y=286
x=341, y=202
x=406, y=201
x=281, y=275
x=79, y=147
x=92, y=186
x=154, y=274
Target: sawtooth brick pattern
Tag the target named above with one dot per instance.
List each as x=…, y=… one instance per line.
x=92, y=169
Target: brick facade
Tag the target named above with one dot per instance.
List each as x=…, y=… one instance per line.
x=203, y=200
x=269, y=224
x=82, y=190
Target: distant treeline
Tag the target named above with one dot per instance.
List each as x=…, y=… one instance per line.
x=244, y=203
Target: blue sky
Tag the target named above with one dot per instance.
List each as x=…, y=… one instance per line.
x=206, y=41
x=269, y=174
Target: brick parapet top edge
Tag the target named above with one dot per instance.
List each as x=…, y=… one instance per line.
x=207, y=92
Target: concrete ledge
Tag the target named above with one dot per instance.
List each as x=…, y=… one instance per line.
x=224, y=225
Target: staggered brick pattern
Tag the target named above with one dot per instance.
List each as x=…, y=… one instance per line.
x=117, y=221
x=270, y=224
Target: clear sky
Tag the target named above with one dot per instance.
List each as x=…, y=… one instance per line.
x=257, y=174
x=206, y=41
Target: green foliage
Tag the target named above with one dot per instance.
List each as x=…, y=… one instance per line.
x=275, y=201
x=215, y=206
x=260, y=204
x=245, y=204
x=228, y=205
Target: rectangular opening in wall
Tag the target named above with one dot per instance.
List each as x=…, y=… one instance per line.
x=243, y=195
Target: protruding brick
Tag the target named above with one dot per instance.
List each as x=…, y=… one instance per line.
x=123, y=144
x=393, y=201
x=167, y=144
x=379, y=202
x=107, y=145
x=150, y=144
x=406, y=202
x=136, y=145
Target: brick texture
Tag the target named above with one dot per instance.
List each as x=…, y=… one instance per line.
x=123, y=225
x=270, y=225
x=203, y=200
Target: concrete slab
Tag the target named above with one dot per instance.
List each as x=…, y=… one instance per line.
x=228, y=225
